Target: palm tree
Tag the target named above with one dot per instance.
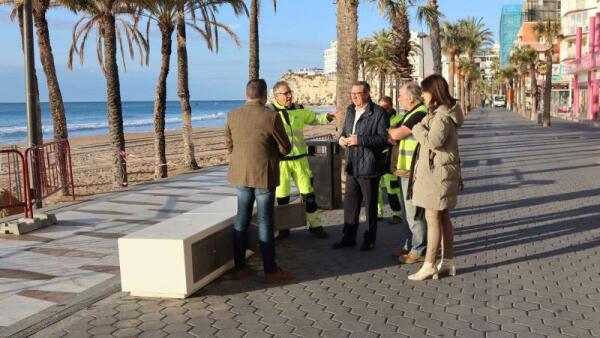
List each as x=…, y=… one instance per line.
x=207, y=10
x=166, y=15
x=550, y=33
x=452, y=41
x=254, y=41
x=347, y=53
x=517, y=59
x=108, y=18
x=380, y=63
x=396, y=12
x=506, y=76
x=432, y=15
x=475, y=35
x=365, y=51
x=529, y=56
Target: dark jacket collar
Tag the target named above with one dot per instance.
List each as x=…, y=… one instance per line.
x=369, y=108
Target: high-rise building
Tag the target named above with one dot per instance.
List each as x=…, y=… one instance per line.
x=541, y=10
x=330, y=59
x=510, y=23
x=575, y=13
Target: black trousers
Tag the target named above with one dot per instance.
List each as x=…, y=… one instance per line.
x=361, y=190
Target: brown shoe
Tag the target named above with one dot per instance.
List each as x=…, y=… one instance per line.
x=399, y=251
x=410, y=259
x=278, y=277
x=242, y=274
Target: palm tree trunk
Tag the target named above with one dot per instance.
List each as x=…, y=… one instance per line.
x=460, y=90
x=533, y=116
x=347, y=56
x=183, y=92
x=451, y=74
x=160, y=104
x=254, y=42
x=57, y=108
x=548, y=90
x=113, y=98
x=436, y=47
x=523, y=97
x=381, y=84
x=401, y=33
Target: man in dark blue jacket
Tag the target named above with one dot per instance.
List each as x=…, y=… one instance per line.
x=365, y=139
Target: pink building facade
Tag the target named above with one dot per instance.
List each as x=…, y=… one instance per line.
x=585, y=70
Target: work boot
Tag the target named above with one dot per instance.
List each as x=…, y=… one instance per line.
x=278, y=276
x=318, y=232
x=346, y=242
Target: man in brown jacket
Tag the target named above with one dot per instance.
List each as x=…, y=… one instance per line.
x=256, y=140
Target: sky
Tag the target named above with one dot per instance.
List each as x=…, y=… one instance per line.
x=294, y=37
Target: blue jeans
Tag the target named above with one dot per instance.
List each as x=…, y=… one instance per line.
x=416, y=233
x=265, y=203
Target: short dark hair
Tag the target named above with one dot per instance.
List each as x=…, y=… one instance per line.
x=386, y=99
x=365, y=86
x=280, y=84
x=437, y=86
x=256, y=89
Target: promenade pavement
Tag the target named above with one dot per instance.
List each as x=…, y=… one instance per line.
x=527, y=246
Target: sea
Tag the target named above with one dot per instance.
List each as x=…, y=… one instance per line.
x=90, y=118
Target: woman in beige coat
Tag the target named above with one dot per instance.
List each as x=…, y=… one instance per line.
x=436, y=175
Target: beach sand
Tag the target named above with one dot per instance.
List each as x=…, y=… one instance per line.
x=92, y=162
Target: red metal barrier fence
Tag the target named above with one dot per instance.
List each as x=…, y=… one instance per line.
x=42, y=171
x=14, y=182
x=51, y=169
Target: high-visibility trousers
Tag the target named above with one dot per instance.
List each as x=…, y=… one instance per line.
x=391, y=185
x=299, y=171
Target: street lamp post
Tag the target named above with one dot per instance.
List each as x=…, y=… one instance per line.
x=421, y=36
x=30, y=96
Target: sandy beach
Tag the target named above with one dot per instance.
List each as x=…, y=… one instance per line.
x=92, y=158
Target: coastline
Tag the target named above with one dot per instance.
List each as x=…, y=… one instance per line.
x=92, y=160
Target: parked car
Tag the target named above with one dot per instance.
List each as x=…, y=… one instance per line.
x=499, y=101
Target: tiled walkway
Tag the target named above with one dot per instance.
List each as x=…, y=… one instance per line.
x=527, y=245
x=53, y=265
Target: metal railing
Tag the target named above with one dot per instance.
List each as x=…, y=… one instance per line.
x=14, y=181
x=51, y=169
x=27, y=178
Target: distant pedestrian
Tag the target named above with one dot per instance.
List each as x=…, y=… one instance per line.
x=388, y=182
x=256, y=140
x=437, y=175
x=365, y=138
x=413, y=247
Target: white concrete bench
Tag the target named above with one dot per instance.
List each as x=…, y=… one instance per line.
x=177, y=257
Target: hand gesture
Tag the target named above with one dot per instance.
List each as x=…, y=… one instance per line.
x=352, y=140
x=336, y=115
x=342, y=142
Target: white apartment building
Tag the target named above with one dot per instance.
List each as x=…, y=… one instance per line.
x=330, y=59
x=575, y=13
x=485, y=58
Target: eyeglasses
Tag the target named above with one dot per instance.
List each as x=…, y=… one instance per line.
x=288, y=93
x=357, y=94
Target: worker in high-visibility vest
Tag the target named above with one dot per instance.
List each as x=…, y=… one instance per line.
x=295, y=165
x=413, y=248
x=389, y=182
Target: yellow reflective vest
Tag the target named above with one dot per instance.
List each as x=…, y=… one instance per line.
x=408, y=145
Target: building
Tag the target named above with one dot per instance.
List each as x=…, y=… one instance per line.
x=582, y=63
x=422, y=60
x=575, y=13
x=510, y=23
x=330, y=59
x=541, y=10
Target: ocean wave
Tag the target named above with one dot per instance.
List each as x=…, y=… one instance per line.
x=22, y=130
